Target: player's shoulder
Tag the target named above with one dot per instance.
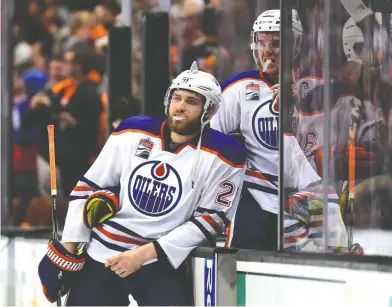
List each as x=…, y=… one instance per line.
x=242, y=77
x=227, y=148
x=143, y=124
x=313, y=102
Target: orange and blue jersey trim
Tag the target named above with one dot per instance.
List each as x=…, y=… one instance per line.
x=225, y=147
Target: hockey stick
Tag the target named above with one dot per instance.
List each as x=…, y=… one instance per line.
x=53, y=187
x=355, y=115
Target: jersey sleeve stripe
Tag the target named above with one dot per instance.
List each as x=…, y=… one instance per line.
x=126, y=230
x=90, y=183
x=82, y=189
x=205, y=232
x=108, y=244
x=221, y=214
x=213, y=223
x=262, y=176
x=293, y=227
x=120, y=238
x=293, y=239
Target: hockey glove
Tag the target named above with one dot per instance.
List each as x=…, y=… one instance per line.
x=304, y=207
x=57, y=269
x=99, y=207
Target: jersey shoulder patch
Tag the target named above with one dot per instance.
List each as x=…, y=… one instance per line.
x=250, y=74
x=225, y=147
x=148, y=124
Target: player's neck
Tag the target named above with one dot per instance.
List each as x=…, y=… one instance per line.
x=180, y=139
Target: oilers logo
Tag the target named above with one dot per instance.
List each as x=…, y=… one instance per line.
x=154, y=188
x=265, y=122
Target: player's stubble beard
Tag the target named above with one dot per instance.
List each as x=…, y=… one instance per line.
x=184, y=127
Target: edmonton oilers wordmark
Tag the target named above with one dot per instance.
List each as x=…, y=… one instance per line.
x=265, y=122
x=154, y=188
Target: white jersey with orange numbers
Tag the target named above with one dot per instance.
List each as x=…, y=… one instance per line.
x=160, y=197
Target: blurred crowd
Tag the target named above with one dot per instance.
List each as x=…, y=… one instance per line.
x=59, y=78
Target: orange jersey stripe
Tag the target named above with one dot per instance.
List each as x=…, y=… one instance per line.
x=294, y=239
x=79, y=188
x=212, y=222
x=255, y=174
x=119, y=238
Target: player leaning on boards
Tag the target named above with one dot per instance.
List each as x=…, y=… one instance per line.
x=179, y=183
x=251, y=108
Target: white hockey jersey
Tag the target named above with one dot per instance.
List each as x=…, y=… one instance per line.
x=159, y=199
x=247, y=107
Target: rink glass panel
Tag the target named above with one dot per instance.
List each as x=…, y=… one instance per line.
x=355, y=182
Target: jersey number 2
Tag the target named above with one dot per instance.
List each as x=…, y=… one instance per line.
x=228, y=190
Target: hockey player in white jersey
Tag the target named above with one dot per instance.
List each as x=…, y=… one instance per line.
x=347, y=94
x=347, y=104
x=250, y=108
x=157, y=190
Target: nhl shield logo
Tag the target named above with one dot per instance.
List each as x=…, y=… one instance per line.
x=265, y=122
x=252, y=91
x=144, y=148
x=154, y=188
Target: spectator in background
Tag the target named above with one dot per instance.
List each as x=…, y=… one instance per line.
x=196, y=45
x=35, y=29
x=73, y=106
x=56, y=71
x=105, y=14
x=80, y=28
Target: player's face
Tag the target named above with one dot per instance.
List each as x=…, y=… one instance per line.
x=185, y=112
x=268, y=49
